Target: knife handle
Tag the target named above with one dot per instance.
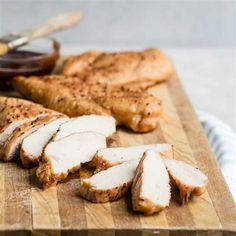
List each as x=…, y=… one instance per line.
x=58, y=23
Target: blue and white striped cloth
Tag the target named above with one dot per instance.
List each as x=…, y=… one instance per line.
x=223, y=143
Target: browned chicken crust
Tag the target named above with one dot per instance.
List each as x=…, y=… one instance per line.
x=143, y=68
x=28, y=161
x=100, y=196
x=78, y=65
x=46, y=175
x=15, y=114
x=134, y=108
x=15, y=109
x=114, y=140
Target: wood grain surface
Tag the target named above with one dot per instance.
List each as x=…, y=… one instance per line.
x=26, y=209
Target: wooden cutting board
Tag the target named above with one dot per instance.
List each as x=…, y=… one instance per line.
x=25, y=208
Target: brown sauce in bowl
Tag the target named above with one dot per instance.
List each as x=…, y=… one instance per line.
x=26, y=62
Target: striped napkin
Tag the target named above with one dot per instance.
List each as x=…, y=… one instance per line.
x=223, y=143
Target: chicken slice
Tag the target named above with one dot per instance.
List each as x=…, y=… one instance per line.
x=105, y=125
x=110, y=184
x=66, y=155
x=15, y=112
x=11, y=147
x=8, y=129
x=133, y=108
x=143, y=68
x=151, y=188
x=107, y=157
x=188, y=179
x=32, y=146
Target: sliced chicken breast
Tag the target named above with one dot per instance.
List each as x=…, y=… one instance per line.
x=32, y=146
x=188, y=179
x=108, y=157
x=5, y=134
x=105, y=125
x=15, y=112
x=150, y=189
x=11, y=147
x=110, y=184
x=66, y=155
